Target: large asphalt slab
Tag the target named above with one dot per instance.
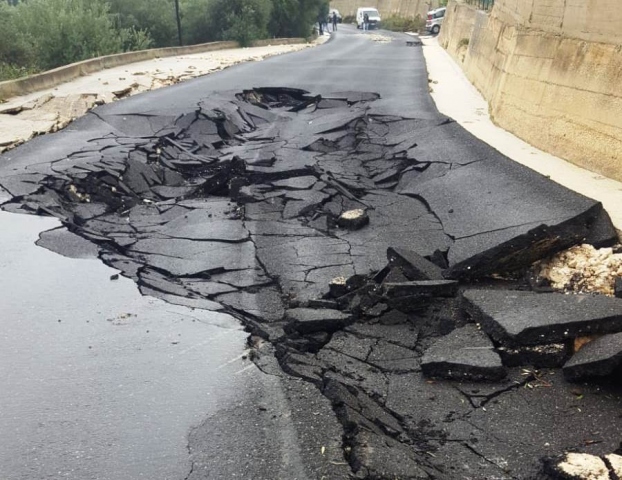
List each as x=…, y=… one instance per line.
x=225, y=198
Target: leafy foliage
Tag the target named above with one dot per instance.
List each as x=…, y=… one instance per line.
x=240, y=20
x=295, y=18
x=155, y=17
x=43, y=34
x=196, y=22
x=398, y=23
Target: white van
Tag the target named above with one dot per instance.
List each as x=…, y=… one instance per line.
x=372, y=15
x=434, y=20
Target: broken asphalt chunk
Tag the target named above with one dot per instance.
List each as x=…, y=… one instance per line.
x=353, y=219
x=421, y=288
x=337, y=287
x=413, y=265
x=464, y=354
x=310, y=320
x=538, y=356
x=600, y=357
x=526, y=318
x=362, y=404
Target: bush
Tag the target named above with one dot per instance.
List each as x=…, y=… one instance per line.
x=398, y=23
x=349, y=19
x=195, y=20
x=9, y=71
x=239, y=20
x=44, y=34
x=296, y=18
x=59, y=32
x=15, y=52
x=154, y=17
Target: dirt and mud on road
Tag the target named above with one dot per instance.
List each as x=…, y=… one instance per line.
x=393, y=280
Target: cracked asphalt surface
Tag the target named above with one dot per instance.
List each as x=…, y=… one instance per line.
x=228, y=193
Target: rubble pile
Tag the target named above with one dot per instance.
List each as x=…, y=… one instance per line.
x=583, y=269
x=380, y=38
x=574, y=466
x=366, y=263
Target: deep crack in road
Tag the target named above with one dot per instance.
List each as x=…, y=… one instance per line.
x=232, y=199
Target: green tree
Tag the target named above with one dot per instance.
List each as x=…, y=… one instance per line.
x=60, y=32
x=295, y=18
x=196, y=23
x=43, y=34
x=240, y=20
x=16, y=56
x=156, y=17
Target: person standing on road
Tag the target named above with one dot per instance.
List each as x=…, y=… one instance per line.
x=334, y=21
x=365, y=22
x=320, y=22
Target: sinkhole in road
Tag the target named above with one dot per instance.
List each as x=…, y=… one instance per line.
x=240, y=205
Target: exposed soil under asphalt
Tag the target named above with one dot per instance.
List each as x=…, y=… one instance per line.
x=365, y=265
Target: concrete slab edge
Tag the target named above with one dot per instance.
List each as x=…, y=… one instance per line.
x=57, y=76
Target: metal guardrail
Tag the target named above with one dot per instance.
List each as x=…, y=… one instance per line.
x=482, y=4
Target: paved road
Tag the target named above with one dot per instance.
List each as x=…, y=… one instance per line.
x=99, y=382
x=164, y=392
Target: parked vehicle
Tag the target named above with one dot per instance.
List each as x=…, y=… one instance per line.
x=336, y=12
x=434, y=20
x=372, y=15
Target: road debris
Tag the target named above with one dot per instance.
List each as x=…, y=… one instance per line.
x=601, y=357
x=579, y=466
x=464, y=354
x=376, y=37
x=583, y=269
x=353, y=219
x=527, y=318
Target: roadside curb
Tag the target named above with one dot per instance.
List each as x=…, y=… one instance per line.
x=52, y=78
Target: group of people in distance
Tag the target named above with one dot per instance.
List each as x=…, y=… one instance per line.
x=323, y=22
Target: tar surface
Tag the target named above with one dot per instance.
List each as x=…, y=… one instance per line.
x=389, y=278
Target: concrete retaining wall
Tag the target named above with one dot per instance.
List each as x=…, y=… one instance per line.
x=551, y=72
x=52, y=78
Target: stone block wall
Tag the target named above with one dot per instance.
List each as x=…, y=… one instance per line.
x=590, y=20
x=551, y=71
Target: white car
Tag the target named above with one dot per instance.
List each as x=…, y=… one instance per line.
x=434, y=20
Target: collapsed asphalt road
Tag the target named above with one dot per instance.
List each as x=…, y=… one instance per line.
x=360, y=236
